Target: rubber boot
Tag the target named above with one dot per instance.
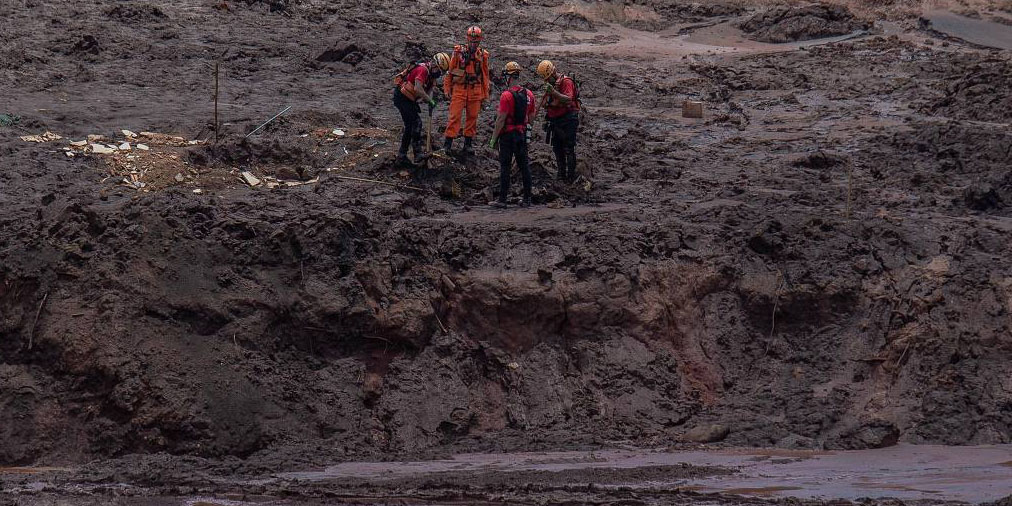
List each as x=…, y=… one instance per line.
x=468, y=147
x=448, y=145
x=420, y=155
x=402, y=159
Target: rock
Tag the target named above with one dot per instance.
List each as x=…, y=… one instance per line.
x=45, y=137
x=128, y=134
x=338, y=132
x=96, y=138
x=797, y=442
x=868, y=435
x=99, y=149
x=198, y=191
x=79, y=144
x=179, y=178
x=124, y=147
x=707, y=433
x=250, y=178
x=142, y=147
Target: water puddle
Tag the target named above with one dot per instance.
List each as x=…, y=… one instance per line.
x=971, y=474
x=975, y=31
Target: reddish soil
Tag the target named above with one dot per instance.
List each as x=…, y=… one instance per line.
x=820, y=263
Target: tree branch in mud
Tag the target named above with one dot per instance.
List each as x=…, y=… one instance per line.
x=31, y=334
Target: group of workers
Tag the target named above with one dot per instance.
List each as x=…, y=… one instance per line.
x=467, y=84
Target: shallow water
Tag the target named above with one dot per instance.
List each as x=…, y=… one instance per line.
x=972, y=474
x=976, y=31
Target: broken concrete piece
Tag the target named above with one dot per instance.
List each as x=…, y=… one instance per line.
x=96, y=138
x=250, y=178
x=142, y=147
x=128, y=134
x=338, y=132
x=99, y=149
x=124, y=147
x=692, y=109
x=79, y=144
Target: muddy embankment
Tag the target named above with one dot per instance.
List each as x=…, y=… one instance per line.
x=718, y=282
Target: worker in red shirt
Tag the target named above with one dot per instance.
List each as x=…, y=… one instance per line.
x=415, y=85
x=562, y=109
x=467, y=84
x=516, y=109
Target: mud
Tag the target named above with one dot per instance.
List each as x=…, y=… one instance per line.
x=792, y=24
x=818, y=263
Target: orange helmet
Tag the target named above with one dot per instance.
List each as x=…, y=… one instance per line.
x=474, y=34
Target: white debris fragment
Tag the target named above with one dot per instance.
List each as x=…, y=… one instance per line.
x=99, y=149
x=250, y=178
x=79, y=144
x=128, y=134
x=70, y=154
x=198, y=191
x=45, y=137
x=338, y=132
x=124, y=147
x=142, y=147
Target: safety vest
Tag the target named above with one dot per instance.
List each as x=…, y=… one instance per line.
x=473, y=72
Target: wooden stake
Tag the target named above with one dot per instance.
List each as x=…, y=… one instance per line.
x=850, y=187
x=216, y=68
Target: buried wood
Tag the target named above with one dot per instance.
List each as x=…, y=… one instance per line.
x=38, y=313
x=364, y=180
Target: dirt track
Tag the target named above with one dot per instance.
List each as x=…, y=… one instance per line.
x=820, y=263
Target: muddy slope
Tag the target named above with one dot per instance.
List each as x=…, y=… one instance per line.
x=715, y=277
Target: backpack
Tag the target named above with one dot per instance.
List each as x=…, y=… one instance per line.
x=402, y=78
x=520, y=106
x=576, y=89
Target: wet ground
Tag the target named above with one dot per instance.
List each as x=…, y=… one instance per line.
x=817, y=266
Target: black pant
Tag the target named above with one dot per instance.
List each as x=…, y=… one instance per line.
x=564, y=144
x=411, y=114
x=512, y=146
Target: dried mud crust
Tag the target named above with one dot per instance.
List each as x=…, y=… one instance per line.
x=818, y=263
x=792, y=24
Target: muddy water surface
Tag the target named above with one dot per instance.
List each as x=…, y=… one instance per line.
x=972, y=474
x=976, y=31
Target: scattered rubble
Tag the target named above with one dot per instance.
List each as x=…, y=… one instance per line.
x=45, y=137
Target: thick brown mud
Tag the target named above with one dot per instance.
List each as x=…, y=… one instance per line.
x=819, y=263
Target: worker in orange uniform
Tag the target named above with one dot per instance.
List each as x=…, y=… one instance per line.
x=467, y=85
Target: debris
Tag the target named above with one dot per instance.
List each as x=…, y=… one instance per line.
x=124, y=147
x=198, y=191
x=513, y=365
x=692, y=109
x=79, y=144
x=45, y=137
x=95, y=138
x=257, y=129
x=142, y=147
x=70, y=154
x=99, y=149
x=250, y=178
x=364, y=180
x=128, y=134
x=338, y=132
x=179, y=177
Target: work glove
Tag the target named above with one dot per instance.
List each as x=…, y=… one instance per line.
x=432, y=103
x=549, y=88
x=492, y=142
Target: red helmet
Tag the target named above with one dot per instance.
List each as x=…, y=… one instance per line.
x=474, y=33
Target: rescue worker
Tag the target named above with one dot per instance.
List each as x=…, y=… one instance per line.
x=562, y=111
x=467, y=85
x=415, y=86
x=516, y=109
